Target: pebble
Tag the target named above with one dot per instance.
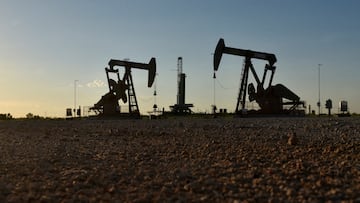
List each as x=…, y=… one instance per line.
x=292, y=139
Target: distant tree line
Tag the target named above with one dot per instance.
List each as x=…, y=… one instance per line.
x=8, y=116
x=5, y=116
x=32, y=116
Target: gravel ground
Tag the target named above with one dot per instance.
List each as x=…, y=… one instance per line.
x=181, y=160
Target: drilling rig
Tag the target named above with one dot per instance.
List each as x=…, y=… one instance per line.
x=180, y=107
x=123, y=89
x=271, y=99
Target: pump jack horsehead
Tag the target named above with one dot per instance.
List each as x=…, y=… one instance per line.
x=270, y=99
x=123, y=89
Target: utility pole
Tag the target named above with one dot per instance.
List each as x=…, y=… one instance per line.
x=319, y=104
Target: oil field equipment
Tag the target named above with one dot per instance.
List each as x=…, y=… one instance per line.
x=343, y=106
x=271, y=98
x=344, y=109
x=123, y=89
x=180, y=107
x=328, y=105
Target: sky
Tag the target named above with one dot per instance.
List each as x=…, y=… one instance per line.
x=52, y=50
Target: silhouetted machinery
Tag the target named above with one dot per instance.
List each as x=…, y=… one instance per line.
x=108, y=105
x=270, y=99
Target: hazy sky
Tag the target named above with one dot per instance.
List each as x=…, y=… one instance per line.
x=45, y=45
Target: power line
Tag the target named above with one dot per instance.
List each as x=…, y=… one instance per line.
x=222, y=86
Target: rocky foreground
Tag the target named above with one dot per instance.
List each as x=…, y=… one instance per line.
x=181, y=160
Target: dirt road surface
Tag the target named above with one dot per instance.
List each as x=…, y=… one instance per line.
x=181, y=160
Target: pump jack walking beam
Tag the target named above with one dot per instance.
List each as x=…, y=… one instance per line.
x=221, y=48
x=151, y=67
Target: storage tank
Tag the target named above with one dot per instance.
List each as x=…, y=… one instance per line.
x=343, y=106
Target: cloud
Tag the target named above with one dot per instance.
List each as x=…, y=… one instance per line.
x=95, y=84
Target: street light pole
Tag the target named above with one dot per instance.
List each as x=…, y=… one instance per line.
x=319, y=104
x=75, y=81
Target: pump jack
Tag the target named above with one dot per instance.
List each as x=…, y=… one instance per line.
x=108, y=104
x=270, y=99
